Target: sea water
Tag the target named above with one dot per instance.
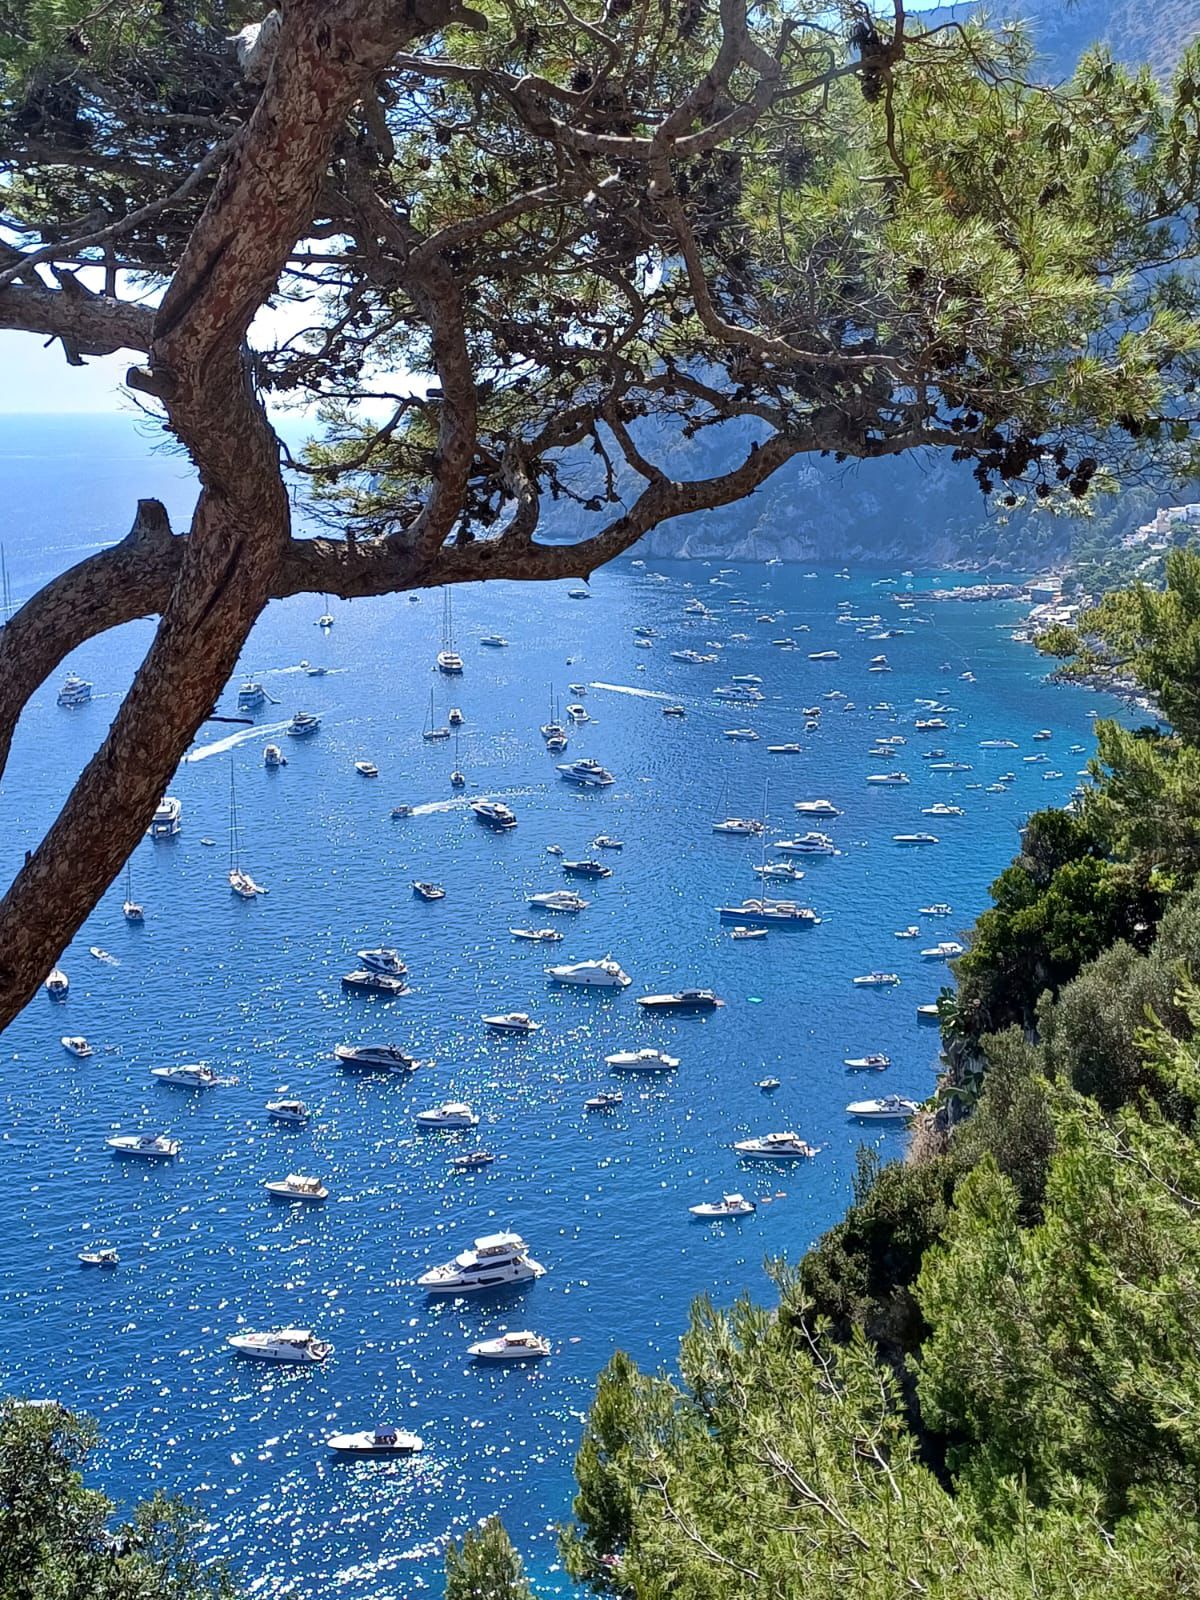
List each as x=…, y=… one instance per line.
x=253, y=989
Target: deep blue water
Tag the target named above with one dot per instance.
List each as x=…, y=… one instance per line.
x=253, y=989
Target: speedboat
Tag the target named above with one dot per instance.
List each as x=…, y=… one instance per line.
x=742, y=932
x=587, y=869
x=739, y=825
x=273, y=757
x=99, y=954
x=555, y=850
x=783, y=870
x=325, y=620
x=295, y=1347
x=251, y=696
x=603, y=842
x=606, y=1100
x=911, y=932
x=374, y=1058
x=998, y=744
x=674, y=711
x=871, y=1063
x=681, y=1000
x=495, y=641
x=494, y=1261
x=767, y=1085
x=929, y=1014
x=458, y=780
x=315, y=672
x=775, y=1147
x=938, y=909
x=944, y=950
x=148, y=1146
x=537, y=935
x=364, y=981
x=558, y=900
x=930, y=724
x=745, y=735
x=783, y=749
x=915, y=838
x=747, y=677
x=450, y=1114
x=512, y=1022
x=376, y=1441
x=104, y=1256
x=472, y=1161
x=76, y=691
x=950, y=766
x=729, y=1205
x=888, y=777
x=383, y=959
x=606, y=974
x=888, y=1108
x=303, y=724
x=941, y=809
x=817, y=808
x=428, y=891
x=455, y=717
x=692, y=657
x=77, y=1045
x=878, y=980
x=494, y=814
x=758, y=913
x=578, y=713
x=642, y=1062
x=400, y=811
x=193, y=1076
x=815, y=844
x=167, y=818
x=588, y=774
x=293, y=1113
x=579, y=594
x=450, y=662
x=822, y=655
x=510, y=1347
x=296, y=1187
x=366, y=769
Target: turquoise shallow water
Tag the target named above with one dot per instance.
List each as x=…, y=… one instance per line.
x=253, y=989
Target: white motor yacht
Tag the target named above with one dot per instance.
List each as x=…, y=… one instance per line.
x=785, y=871
x=817, y=808
x=303, y=724
x=690, y=1000
x=642, y=1063
x=760, y=913
x=494, y=814
x=251, y=696
x=587, y=869
x=193, y=1076
x=428, y=891
x=558, y=900
x=295, y=1347
x=872, y=1063
x=384, y=1058
x=744, y=735
x=606, y=974
x=998, y=744
x=147, y=1146
x=366, y=769
x=494, y=1261
x=740, y=826
x=77, y=1045
x=911, y=932
x=944, y=950
x=102, y=1256
x=450, y=663
x=578, y=713
x=512, y=1022
x=494, y=641
x=602, y=841
x=167, y=818
x=915, y=838
x=941, y=809
x=297, y=1187
x=293, y=1113
x=450, y=1114
x=383, y=1441
x=273, y=757
x=455, y=717
x=729, y=1205
x=741, y=932
x=363, y=981
x=812, y=844
x=878, y=980
x=383, y=959
x=888, y=778
x=586, y=773
x=511, y=1347
x=537, y=935
x=76, y=691
x=776, y=1147
x=888, y=1108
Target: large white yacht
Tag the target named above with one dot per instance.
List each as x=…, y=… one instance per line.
x=888, y=1108
x=776, y=1147
x=558, y=900
x=381, y=1441
x=808, y=844
x=740, y=826
x=374, y=1058
x=512, y=1022
x=383, y=959
x=915, y=838
x=944, y=950
x=759, y=913
x=147, y=1146
x=168, y=816
x=643, y=1063
x=817, y=808
x=605, y=974
x=681, y=1000
x=523, y=1346
x=303, y=724
x=295, y=1347
x=193, y=1076
x=450, y=662
x=450, y=1114
x=494, y=814
x=585, y=772
x=251, y=696
x=494, y=1260
x=297, y=1187
x=76, y=691
x=729, y=1205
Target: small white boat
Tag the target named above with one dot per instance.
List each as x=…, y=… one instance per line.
x=603, y=842
x=775, y=1147
x=871, y=1063
x=105, y=1256
x=748, y=933
x=605, y=974
x=297, y=1187
x=558, y=900
x=294, y=1113
x=783, y=749
x=817, y=808
x=511, y=1347
x=821, y=655
x=106, y=956
x=745, y=735
x=911, y=932
x=494, y=641
x=767, y=1085
x=586, y=774
x=944, y=950
x=512, y=1022
x=781, y=870
x=273, y=757
x=383, y=959
x=295, y=1347
x=915, y=838
x=878, y=980
x=366, y=769
x=455, y=717
x=739, y=826
x=195, y=1075
x=58, y=984
x=938, y=909
x=674, y=711
x=606, y=1100
x=888, y=1108
x=376, y=1441
x=941, y=809
x=729, y=1205
x=450, y=663
x=495, y=1261
x=472, y=1161
x=428, y=891
x=449, y=1115
x=998, y=744
x=888, y=778
x=555, y=850
x=146, y=1146
x=642, y=1063
x=537, y=935
x=76, y=1044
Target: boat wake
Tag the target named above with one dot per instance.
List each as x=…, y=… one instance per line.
x=625, y=688
x=243, y=736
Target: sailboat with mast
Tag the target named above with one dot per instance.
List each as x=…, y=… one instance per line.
x=553, y=731
x=131, y=910
x=448, y=659
x=6, y=600
x=240, y=882
x=457, y=777
x=432, y=733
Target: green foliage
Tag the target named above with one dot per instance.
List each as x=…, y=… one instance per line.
x=56, y=1541
x=485, y=1567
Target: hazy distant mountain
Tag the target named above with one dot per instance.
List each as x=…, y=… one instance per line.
x=1153, y=31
